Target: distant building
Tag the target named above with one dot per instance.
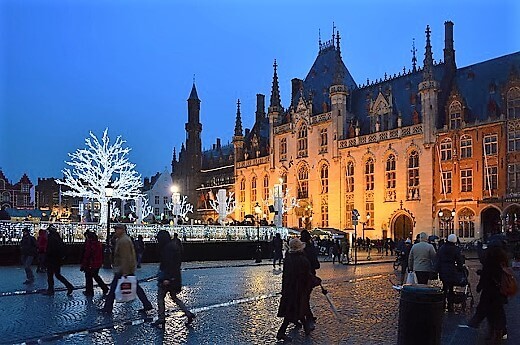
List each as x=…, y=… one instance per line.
x=54, y=204
x=158, y=192
x=17, y=195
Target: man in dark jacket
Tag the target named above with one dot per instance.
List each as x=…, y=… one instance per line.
x=169, y=277
x=450, y=266
x=28, y=250
x=312, y=255
x=91, y=263
x=277, y=249
x=55, y=253
x=296, y=286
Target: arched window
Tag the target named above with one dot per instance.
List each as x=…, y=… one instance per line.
x=455, y=112
x=413, y=176
x=324, y=179
x=242, y=190
x=283, y=149
x=369, y=174
x=303, y=182
x=446, y=149
x=513, y=103
x=466, y=146
x=302, y=141
x=466, y=219
x=266, y=187
x=323, y=140
x=253, y=189
x=390, y=194
x=350, y=177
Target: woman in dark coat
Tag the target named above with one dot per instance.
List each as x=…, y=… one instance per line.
x=169, y=279
x=491, y=304
x=450, y=266
x=55, y=253
x=296, y=286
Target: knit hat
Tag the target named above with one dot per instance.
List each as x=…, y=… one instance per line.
x=295, y=245
x=452, y=238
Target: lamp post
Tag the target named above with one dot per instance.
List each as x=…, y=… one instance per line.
x=107, y=260
x=176, y=200
x=355, y=220
x=446, y=219
x=258, y=210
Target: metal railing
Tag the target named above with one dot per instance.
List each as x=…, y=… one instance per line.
x=11, y=232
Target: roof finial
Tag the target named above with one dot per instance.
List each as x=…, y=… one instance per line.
x=275, y=102
x=337, y=42
x=319, y=38
x=333, y=32
x=414, y=59
x=238, y=121
x=428, y=57
x=193, y=78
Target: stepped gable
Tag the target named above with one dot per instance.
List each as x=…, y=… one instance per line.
x=482, y=83
x=326, y=67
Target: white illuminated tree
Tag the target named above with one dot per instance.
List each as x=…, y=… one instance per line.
x=181, y=208
x=99, y=164
x=224, y=205
x=143, y=210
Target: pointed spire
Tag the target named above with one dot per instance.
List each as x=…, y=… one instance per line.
x=414, y=59
x=333, y=32
x=337, y=43
x=319, y=39
x=174, y=155
x=428, y=57
x=193, y=93
x=238, y=121
x=275, y=103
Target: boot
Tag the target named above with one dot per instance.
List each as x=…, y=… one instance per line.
x=281, y=332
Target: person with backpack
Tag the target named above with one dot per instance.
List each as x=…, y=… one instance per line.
x=91, y=263
x=56, y=251
x=492, y=299
x=28, y=249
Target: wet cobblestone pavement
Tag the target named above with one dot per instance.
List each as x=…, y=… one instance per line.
x=235, y=303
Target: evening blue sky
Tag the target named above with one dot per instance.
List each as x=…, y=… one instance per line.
x=70, y=67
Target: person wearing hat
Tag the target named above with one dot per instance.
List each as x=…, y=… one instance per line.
x=450, y=265
x=28, y=250
x=422, y=257
x=54, y=258
x=124, y=265
x=296, y=286
x=405, y=254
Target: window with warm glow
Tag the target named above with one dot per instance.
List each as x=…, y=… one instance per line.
x=323, y=140
x=466, y=146
x=413, y=176
x=253, y=189
x=242, y=191
x=303, y=182
x=283, y=149
x=302, y=141
x=466, y=219
x=390, y=194
x=350, y=177
x=324, y=179
x=369, y=174
x=266, y=187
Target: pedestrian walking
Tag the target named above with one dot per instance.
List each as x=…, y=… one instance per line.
x=169, y=278
x=422, y=257
x=345, y=251
x=296, y=286
x=312, y=255
x=91, y=263
x=450, y=266
x=491, y=304
x=405, y=254
x=139, y=249
x=124, y=265
x=54, y=257
x=28, y=250
x=42, y=248
x=336, y=252
x=277, y=249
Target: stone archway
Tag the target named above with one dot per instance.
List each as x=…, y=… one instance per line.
x=402, y=227
x=490, y=222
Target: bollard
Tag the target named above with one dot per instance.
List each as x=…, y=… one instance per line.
x=421, y=308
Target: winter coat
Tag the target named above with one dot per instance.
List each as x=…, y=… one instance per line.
x=296, y=287
x=450, y=263
x=124, y=256
x=170, y=266
x=28, y=246
x=93, y=255
x=278, y=247
x=139, y=246
x=42, y=241
x=422, y=257
x=491, y=276
x=312, y=256
x=55, y=249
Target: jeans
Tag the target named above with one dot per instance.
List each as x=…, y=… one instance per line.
x=109, y=301
x=89, y=284
x=55, y=270
x=26, y=263
x=162, y=291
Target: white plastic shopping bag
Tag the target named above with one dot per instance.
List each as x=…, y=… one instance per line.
x=126, y=289
x=411, y=278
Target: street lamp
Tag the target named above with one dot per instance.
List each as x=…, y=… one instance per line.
x=355, y=220
x=258, y=210
x=447, y=219
x=176, y=200
x=368, y=245
x=107, y=260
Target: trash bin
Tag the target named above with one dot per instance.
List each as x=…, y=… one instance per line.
x=421, y=308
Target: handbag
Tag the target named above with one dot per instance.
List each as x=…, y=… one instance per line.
x=508, y=284
x=126, y=289
x=411, y=278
